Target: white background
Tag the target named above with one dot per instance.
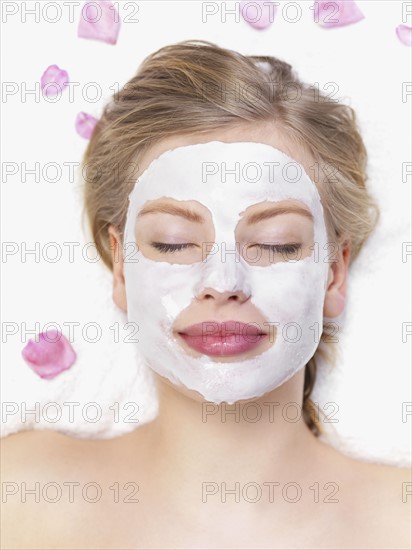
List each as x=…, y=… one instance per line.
x=367, y=62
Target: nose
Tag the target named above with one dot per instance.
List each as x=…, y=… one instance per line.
x=222, y=297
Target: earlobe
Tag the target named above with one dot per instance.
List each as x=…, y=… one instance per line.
x=335, y=297
x=119, y=288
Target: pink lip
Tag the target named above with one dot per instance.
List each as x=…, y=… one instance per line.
x=226, y=338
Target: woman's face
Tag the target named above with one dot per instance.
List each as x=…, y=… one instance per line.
x=226, y=284
x=267, y=233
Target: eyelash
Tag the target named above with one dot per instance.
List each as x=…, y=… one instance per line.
x=164, y=247
x=290, y=248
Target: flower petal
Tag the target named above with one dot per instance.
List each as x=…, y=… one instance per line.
x=99, y=20
x=259, y=14
x=85, y=124
x=336, y=13
x=404, y=33
x=53, y=81
x=51, y=355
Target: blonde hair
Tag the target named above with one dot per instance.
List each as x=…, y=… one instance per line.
x=194, y=87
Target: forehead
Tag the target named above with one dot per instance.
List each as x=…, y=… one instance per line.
x=225, y=175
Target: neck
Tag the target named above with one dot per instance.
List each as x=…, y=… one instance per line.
x=259, y=440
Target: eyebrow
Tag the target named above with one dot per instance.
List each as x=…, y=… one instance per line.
x=173, y=209
x=176, y=210
x=276, y=211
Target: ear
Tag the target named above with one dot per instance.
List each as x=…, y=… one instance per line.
x=335, y=297
x=119, y=288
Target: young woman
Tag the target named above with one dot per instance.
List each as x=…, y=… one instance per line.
x=242, y=191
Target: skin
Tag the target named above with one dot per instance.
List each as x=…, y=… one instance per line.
x=171, y=457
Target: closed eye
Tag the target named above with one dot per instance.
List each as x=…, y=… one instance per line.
x=290, y=248
x=166, y=247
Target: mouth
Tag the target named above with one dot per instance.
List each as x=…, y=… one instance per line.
x=223, y=339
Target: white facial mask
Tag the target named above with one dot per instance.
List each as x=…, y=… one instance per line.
x=289, y=293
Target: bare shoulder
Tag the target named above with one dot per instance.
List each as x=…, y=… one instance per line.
x=391, y=488
x=382, y=497
x=384, y=483
x=19, y=450
x=33, y=452
x=56, y=489
x=32, y=467
x=374, y=499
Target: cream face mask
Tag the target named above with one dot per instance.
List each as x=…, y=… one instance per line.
x=285, y=295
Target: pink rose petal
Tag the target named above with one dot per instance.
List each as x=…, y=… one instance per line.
x=51, y=355
x=404, y=33
x=85, y=125
x=53, y=81
x=99, y=20
x=337, y=13
x=259, y=14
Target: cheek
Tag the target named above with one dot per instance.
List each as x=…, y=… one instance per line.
x=159, y=291
x=288, y=292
